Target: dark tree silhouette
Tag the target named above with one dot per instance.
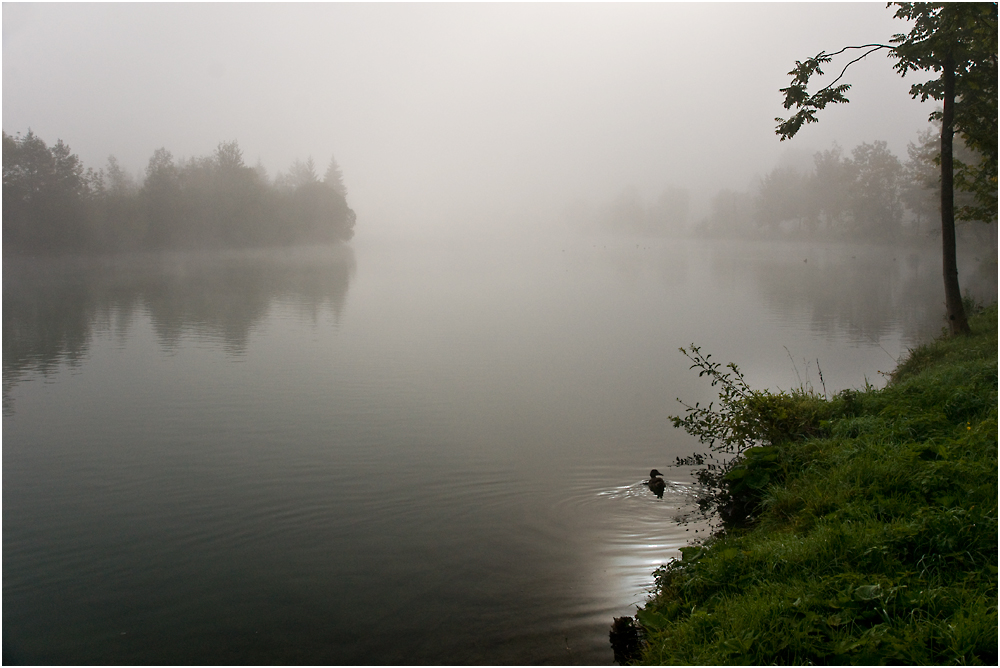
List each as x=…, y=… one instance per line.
x=45, y=194
x=959, y=42
x=53, y=205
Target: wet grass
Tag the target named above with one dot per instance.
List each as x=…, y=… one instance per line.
x=876, y=545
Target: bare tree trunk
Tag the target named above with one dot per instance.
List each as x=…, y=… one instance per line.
x=952, y=294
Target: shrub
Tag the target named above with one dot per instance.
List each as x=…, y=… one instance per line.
x=869, y=528
x=745, y=435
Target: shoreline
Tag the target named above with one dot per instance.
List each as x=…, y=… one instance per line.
x=875, y=540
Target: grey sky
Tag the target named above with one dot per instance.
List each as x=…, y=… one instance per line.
x=449, y=110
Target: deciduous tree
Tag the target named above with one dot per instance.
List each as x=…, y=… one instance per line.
x=44, y=191
x=957, y=42
x=876, y=203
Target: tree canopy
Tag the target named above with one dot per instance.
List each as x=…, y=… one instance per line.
x=52, y=204
x=966, y=34
x=958, y=43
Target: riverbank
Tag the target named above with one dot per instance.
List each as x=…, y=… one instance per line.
x=876, y=544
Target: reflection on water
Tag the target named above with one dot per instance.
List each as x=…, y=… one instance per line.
x=222, y=459
x=866, y=292
x=53, y=306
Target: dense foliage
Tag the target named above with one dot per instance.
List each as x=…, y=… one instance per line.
x=52, y=204
x=870, y=531
x=961, y=37
x=743, y=433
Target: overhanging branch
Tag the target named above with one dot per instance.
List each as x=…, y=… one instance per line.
x=807, y=104
x=874, y=48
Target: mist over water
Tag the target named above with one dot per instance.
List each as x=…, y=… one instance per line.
x=391, y=453
x=425, y=444
x=439, y=114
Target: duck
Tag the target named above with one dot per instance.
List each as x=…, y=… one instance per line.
x=656, y=484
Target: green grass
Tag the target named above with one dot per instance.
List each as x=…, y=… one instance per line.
x=877, y=545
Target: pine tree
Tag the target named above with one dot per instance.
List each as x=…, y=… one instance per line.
x=334, y=178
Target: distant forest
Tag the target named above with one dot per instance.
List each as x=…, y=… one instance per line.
x=52, y=204
x=866, y=194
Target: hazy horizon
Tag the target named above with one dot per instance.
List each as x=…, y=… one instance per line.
x=458, y=112
x=233, y=439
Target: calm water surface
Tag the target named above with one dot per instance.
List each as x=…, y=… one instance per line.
x=390, y=453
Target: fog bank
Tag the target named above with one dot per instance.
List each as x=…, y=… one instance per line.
x=440, y=115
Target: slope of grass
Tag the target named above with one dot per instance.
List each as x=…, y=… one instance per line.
x=878, y=544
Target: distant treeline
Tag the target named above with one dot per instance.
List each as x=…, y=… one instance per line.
x=869, y=195
x=628, y=213
x=52, y=204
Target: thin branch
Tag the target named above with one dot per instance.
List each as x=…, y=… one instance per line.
x=862, y=56
x=860, y=46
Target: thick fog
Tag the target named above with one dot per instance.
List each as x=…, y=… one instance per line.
x=231, y=439
x=453, y=114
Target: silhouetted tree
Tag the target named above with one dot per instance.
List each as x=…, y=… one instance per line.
x=229, y=157
x=44, y=195
x=119, y=182
x=922, y=183
x=321, y=214
x=334, y=178
x=238, y=198
x=301, y=173
x=161, y=196
x=116, y=221
x=831, y=187
x=921, y=192
x=875, y=202
x=52, y=204
x=958, y=41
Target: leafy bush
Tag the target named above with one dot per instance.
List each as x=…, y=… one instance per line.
x=744, y=435
x=873, y=531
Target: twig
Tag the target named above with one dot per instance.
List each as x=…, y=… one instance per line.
x=794, y=366
x=821, y=381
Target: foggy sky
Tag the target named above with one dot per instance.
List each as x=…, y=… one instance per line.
x=460, y=113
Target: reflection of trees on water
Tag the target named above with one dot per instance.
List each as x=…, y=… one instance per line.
x=864, y=292
x=52, y=308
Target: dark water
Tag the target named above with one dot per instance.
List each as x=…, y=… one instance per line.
x=390, y=454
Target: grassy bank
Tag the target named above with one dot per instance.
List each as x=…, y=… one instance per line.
x=870, y=532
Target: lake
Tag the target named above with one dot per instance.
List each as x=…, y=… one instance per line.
x=392, y=452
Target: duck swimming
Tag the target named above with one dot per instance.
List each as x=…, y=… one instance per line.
x=656, y=484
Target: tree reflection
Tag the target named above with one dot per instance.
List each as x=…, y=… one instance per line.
x=865, y=292
x=52, y=308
